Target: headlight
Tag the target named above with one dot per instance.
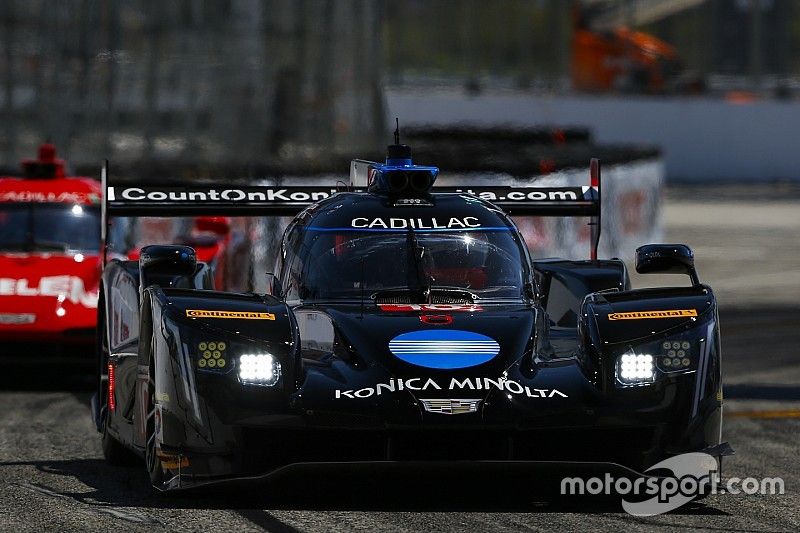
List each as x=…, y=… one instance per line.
x=635, y=368
x=642, y=364
x=252, y=365
x=675, y=355
x=212, y=355
x=259, y=369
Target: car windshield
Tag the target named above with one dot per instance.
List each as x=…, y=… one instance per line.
x=350, y=265
x=49, y=227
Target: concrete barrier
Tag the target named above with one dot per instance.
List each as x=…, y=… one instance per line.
x=631, y=210
x=702, y=139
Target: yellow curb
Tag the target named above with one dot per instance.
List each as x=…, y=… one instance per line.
x=788, y=413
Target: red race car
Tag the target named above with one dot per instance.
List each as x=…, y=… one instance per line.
x=50, y=258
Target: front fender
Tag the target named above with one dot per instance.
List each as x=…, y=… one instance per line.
x=195, y=399
x=645, y=321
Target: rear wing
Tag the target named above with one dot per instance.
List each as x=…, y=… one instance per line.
x=234, y=200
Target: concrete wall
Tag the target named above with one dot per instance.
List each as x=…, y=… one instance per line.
x=702, y=139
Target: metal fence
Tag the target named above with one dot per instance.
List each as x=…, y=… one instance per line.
x=242, y=81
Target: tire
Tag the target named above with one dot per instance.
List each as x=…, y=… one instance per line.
x=114, y=452
x=152, y=462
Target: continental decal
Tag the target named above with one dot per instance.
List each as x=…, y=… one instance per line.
x=238, y=315
x=640, y=315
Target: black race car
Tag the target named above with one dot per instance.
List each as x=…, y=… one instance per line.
x=405, y=325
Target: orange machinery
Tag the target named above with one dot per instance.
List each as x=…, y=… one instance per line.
x=620, y=59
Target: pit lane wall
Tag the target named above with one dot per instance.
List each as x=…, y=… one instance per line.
x=632, y=194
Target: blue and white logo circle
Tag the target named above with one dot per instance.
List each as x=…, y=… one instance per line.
x=444, y=348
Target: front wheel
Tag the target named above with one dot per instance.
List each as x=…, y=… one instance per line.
x=153, y=462
x=114, y=452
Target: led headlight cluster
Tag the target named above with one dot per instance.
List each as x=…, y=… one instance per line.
x=635, y=369
x=251, y=365
x=211, y=355
x=259, y=369
x=675, y=355
x=643, y=364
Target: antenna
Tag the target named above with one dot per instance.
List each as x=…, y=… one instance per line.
x=397, y=130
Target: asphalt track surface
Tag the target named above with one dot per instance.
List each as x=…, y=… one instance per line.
x=53, y=477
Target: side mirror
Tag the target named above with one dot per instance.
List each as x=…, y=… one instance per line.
x=274, y=288
x=666, y=259
x=163, y=263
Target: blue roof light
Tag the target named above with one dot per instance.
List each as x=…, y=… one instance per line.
x=399, y=176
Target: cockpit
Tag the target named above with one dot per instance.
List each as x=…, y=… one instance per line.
x=484, y=263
